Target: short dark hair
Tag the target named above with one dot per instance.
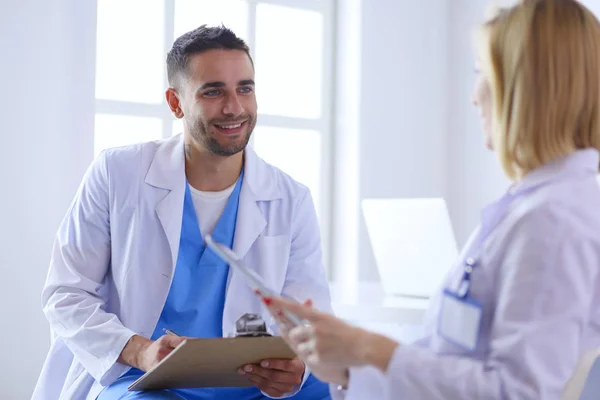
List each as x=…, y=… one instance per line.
x=198, y=41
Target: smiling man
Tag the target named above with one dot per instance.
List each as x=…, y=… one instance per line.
x=129, y=259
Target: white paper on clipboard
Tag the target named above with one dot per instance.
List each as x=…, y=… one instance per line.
x=253, y=279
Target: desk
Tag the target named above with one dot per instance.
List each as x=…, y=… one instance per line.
x=369, y=307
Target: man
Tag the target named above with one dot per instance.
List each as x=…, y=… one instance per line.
x=129, y=260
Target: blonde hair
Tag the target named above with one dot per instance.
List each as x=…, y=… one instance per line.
x=541, y=60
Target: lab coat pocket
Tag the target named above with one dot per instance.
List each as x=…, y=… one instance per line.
x=272, y=257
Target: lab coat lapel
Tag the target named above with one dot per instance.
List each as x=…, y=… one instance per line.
x=260, y=184
x=167, y=175
x=250, y=222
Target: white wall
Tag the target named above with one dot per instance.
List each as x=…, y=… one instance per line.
x=419, y=134
x=403, y=109
x=593, y=5
x=346, y=145
x=46, y=120
x=403, y=89
x=474, y=176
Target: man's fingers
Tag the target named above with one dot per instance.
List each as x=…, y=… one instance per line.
x=172, y=340
x=260, y=382
x=273, y=375
x=162, y=352
x=278, y=364
x=165, y=345
x=274, y=389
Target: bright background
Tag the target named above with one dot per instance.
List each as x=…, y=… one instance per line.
x=357, y=99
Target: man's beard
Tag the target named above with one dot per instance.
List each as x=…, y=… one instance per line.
x=200, y=131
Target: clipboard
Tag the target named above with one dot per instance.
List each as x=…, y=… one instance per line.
x=214, y=362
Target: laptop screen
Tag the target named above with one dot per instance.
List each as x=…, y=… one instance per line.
x=413, y=243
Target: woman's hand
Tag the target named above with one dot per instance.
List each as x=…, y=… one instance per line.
x=323, y=371
x=328, y=342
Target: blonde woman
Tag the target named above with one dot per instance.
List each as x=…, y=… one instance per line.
x=522, y=303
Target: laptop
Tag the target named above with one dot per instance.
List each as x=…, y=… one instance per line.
x=413, y=243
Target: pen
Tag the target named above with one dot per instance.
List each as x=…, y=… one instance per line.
x=170, y=332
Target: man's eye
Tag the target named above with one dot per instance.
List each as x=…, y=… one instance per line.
x=246, y=89
x=212, y=93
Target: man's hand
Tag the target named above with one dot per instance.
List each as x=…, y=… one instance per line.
x=143, y=354
x=275, y=377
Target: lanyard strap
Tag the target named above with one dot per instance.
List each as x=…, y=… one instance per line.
x=491, y=215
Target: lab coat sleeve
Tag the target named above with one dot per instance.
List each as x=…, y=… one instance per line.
x=79, y=264
x=306, y=278
x=367, y=382
x=545, y=288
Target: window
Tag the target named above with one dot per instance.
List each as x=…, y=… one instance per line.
x=291, y=43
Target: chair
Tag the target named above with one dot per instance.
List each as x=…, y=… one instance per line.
x=585, y=381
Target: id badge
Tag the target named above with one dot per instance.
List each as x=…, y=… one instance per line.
x=459, y=320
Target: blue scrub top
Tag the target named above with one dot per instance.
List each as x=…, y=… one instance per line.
x=194, y=306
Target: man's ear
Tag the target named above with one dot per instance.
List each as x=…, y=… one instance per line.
x=173, y=102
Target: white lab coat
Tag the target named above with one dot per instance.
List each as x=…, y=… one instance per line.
x=116, y=250
x=539, y=285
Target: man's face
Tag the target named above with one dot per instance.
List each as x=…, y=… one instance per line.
x=218, y=100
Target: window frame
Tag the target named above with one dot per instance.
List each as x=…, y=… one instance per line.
x=323, y=124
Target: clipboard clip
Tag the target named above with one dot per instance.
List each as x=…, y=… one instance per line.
x=251, y=325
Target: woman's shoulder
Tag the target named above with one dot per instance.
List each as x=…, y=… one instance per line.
x=564, y=209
